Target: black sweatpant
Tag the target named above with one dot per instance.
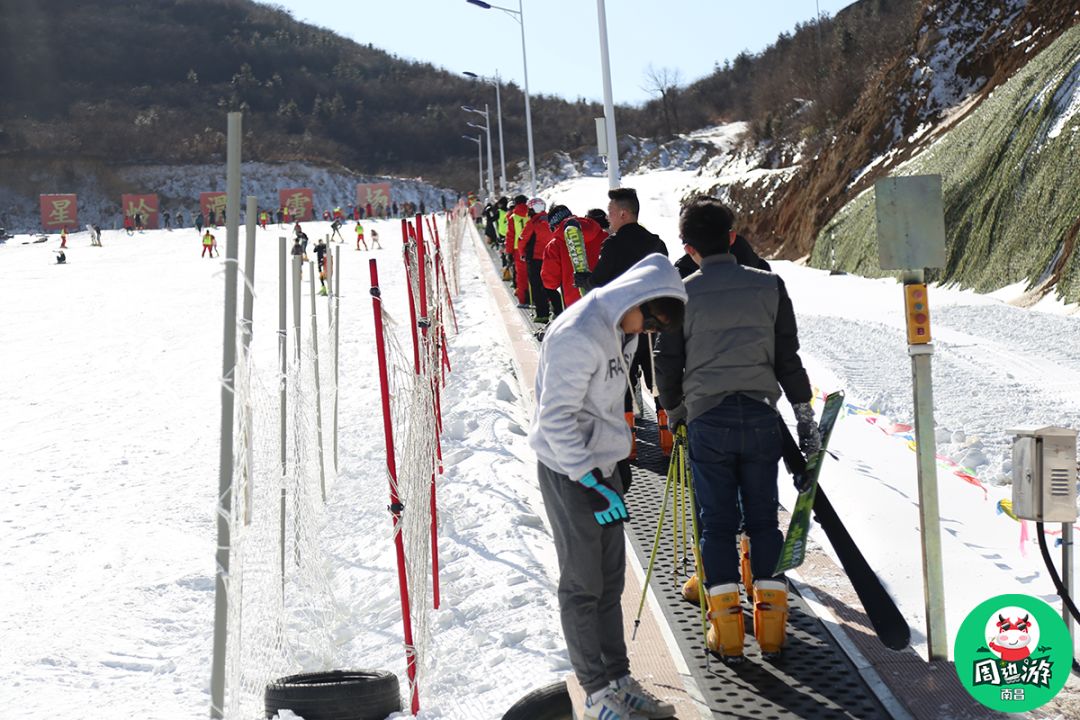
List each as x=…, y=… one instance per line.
x=536, y=286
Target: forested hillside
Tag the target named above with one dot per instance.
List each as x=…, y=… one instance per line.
x=150, y=81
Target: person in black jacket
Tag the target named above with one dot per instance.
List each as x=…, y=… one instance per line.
x=740, y=248
x=628, y=243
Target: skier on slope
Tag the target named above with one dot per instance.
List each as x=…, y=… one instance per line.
x=360, y=236
x=375, y=244
x=208, y=244
x=579, y=438
x=129, y=225
x=721, y=373
x=336, y=228
x=63, y=238
x=320, y=262
x=199, y=223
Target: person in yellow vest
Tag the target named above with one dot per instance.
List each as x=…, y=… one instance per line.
x=63, y=238
x=209, y=245
x=516, y=221
x=360, y=236
x=502, y=218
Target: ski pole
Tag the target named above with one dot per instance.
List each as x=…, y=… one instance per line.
x=655, y=547
x=687, y=478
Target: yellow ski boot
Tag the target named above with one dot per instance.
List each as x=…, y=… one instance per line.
x=770, y=615
x=744, y=566
x=726, y=630
x=690, y=590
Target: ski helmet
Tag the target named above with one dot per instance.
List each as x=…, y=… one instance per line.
x=537, y=205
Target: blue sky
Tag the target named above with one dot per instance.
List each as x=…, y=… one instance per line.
x=562, y=36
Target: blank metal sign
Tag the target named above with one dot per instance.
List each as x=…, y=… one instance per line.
x=910, y=222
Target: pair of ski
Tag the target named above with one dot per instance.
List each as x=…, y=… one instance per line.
x=885, y=617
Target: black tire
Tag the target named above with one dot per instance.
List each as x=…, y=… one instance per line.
x=547, y=703
x=335, y=695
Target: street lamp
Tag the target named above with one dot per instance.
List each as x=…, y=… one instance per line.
x=498, y=113
x=519, y=16
x=479, y=157
x=609, y=106
x=486, y=127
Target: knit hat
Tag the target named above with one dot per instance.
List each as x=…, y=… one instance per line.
x=556, y=215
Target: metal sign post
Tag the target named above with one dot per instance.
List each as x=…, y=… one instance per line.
x=911, y=237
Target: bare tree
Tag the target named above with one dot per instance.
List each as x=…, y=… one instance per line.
x=664, y=84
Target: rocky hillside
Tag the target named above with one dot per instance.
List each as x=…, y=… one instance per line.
x=960, y=52
x=1011, y=186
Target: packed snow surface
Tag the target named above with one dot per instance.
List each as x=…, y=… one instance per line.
x=110, y=460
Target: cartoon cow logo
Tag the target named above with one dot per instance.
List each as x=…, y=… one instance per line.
x=1012, y=634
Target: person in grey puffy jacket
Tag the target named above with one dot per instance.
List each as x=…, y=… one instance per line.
x=579, y=436
x=722, y=373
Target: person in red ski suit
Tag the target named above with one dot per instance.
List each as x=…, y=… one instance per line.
x=515, y=224
x=536, y=235
x=557, y=271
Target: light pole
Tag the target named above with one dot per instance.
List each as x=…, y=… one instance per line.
x=519, y=16
x=486, y=127
x=479, y=158
x=609, y=106
x=498, y=113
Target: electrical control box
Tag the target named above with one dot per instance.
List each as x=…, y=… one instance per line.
x=1044, y=473
x=917, y=313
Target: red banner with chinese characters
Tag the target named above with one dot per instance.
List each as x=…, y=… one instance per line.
x=58, y=212
x=300, y=202
x=378, y=194
x=214, y=201
x=144, y=205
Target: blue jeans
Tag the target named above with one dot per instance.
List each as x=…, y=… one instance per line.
x=734, y=454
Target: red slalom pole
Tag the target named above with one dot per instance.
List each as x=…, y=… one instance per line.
x=421, y=264
x=395, y=502
x=412, y=304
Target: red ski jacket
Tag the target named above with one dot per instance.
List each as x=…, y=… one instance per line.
x=537, y=235
x=557, y=272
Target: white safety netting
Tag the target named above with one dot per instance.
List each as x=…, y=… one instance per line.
x=281, y=609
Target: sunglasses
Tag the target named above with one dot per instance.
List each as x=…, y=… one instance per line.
x=652, y=323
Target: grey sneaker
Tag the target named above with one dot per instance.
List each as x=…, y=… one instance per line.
x=640, y=701
x=609, y=706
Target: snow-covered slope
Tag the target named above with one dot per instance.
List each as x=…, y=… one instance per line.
x=110, y=454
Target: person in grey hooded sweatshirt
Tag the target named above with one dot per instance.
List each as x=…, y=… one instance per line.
x=579, y=436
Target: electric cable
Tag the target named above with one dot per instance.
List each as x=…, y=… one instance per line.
x=1061, y=589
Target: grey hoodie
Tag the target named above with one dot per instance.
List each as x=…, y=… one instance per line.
x=580, y=382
